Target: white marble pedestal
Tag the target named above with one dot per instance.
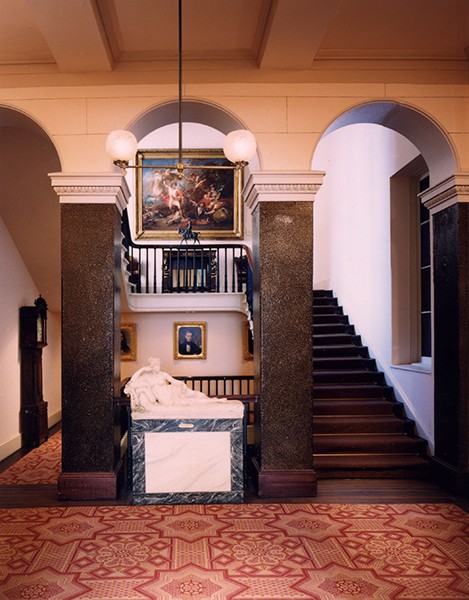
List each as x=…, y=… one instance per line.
x=188, y=454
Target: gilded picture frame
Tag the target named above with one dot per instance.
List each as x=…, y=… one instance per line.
x=190, y=340
x=248, y=353
x=208, y=194
x=128, y=341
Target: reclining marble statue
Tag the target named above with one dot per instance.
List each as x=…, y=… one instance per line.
x=150, y=387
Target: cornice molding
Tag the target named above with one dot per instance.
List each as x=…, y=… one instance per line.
x=91, y=189
x=453, y=190
x=282, y=186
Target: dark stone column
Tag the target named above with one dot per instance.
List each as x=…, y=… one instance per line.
x=91, y=209
x=282, y=205
x=449, y=208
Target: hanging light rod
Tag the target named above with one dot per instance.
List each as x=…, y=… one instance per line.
x=239, y=146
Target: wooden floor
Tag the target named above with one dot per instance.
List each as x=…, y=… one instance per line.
x=330, y=491
x=333, y=491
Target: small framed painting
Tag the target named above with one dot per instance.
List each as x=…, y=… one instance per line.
x=190, y=340
x=128, y=341
x=248, y=352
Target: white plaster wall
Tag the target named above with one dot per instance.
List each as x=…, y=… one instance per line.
x=18, y=289
x=155, y=337
x=352, y=246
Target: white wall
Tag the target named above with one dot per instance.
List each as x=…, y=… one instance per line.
x=18, y=289
x=224, y=337
x=352, y=246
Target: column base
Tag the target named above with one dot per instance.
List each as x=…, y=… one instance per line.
x=284, y=483
x=91, y=486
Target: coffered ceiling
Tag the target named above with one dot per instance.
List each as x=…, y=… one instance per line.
x=98, y=36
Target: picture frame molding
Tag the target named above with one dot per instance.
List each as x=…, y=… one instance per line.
x=167, y=157
x=179, y=326
x=131, y=338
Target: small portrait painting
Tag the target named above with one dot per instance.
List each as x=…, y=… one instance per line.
x=248, y=351
x=190, y=340
x=128, y=341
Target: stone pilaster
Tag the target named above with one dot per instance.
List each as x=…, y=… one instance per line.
x=91, y=208
x=449, y=211
x=282, y=209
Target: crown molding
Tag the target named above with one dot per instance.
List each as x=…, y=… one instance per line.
x=282, y=186
x=96, y=188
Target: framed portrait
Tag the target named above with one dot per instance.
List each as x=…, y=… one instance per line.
x=190, y=340
x=128, y=341
x=208, y=195
x=248, y=352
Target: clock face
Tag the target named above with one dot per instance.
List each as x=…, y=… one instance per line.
x=40, y=329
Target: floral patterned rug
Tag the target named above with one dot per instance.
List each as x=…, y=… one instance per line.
x=242, y=552
x=40, y=466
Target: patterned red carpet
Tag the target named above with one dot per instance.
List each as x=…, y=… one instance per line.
x=242, y=552
x=40, y=466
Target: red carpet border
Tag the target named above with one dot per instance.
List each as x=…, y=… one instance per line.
x=242, y=552
x=40, y=466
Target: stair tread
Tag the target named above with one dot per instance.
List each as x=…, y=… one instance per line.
x=364, y=418
x=376, y=443
x=355, y=406
x=348, y=371
x=363, y=466
x=335, y=459
x=343, y=363
x=337, y=388
x=339, y=347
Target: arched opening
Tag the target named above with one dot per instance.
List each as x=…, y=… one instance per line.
x=204, y=126
x=30, y=250
x=367, y=243
x=28, y=205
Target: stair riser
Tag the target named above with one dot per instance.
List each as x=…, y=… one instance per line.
x=323, y=309
x=367, y=473
x=332, y=339
x=344, y=377
x=351, y=391
x=336, y=352
x=334, y=328
x=368, y=364
x=330, y=319
x=359, y=426
x=355, y=444
x=336, y=407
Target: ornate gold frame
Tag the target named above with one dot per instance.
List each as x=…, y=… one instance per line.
x=212, y=174
x=199, y=331
x=130, y=332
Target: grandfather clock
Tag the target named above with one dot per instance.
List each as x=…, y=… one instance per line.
x=33, y=338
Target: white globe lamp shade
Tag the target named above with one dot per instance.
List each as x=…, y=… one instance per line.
x=121, y=145
x=239, y=146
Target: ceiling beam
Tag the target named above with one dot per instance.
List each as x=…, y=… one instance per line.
x=294, y=32
x=75, y=34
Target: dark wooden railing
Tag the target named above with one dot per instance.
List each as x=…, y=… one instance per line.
x=184, y=267
x=221, y=385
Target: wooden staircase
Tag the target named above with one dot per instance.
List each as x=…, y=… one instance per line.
x=360, y=430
